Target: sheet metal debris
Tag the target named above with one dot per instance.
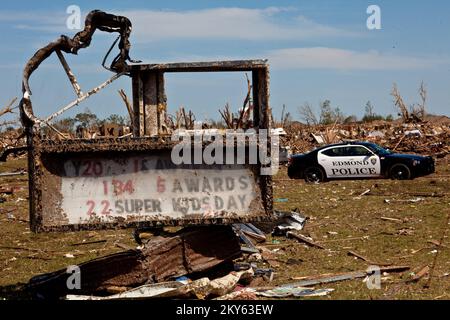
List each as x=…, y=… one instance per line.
x=290, y=221
x=316, y=280
x=189, y=251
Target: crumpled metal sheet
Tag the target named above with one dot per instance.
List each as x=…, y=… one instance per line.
x=289, y=222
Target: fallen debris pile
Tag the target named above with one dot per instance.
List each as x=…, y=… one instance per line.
x=431, y=137
x=214, y=262
x=188, y=252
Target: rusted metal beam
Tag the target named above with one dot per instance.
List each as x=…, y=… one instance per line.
x=70, y=75
x=327, y=278
x=84, y=97
x=216, y=66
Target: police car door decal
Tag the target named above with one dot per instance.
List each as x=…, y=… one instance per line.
x=349, y=166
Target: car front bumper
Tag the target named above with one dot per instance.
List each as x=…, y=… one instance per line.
x=426, y=167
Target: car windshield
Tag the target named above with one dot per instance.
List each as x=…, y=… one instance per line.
x=378, y=150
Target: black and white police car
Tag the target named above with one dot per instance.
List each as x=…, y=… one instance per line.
x=357, y=160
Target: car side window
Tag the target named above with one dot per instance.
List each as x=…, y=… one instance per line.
x=334, y=152
x=358, y=151
x=347, y=151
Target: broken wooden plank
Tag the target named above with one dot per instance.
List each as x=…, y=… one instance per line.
x=88, y=242
x=7, y=190
x=123, y=246
x=437, y=243
x=304, y=239
x=391, y=219
x=255, y=236
x=12, y=174
x=357, y=255
x=26, y=249
x=419, y=275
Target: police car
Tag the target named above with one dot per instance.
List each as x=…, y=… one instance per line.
x=359, y=160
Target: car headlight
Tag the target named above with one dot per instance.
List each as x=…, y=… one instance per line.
x=416, y=162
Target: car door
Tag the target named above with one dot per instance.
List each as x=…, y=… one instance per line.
x=349, y=161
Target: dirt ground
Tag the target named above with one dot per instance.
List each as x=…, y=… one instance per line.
x=339, y=219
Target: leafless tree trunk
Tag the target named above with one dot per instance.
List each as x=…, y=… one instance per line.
x=400, y=104
x=124, y=97
x=307, y=114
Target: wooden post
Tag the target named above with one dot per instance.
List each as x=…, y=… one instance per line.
x=138, y=104
x=151, y=104
x=162, y=104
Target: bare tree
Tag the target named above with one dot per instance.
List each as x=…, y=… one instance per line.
x=9, y=108
x=307, y=114
x=420, y=110
x=416, y=112
x=399, y=103
x=127, y=102
x=242, y=118
x=285, y=119
x=369, y=110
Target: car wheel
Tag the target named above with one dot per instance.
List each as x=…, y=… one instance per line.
x=400, y=172
x=314, y=175
x=291, y=173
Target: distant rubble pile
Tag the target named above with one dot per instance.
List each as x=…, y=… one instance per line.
x=429, y=137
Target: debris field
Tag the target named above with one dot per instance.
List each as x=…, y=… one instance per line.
x=322, y=251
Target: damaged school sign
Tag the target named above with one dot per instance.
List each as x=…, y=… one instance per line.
x=93, y=190
x=133, y=180
x=152, y=187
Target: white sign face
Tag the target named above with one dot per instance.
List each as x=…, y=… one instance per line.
x=144, y=188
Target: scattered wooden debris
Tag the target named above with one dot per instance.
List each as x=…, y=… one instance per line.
x=88, y=242
x=443, y=235
x=357, y=255
x=304, y=239
x=391, y=219
x=437, y=243
x=364, y=193
x=12, y=174
x=419, y=275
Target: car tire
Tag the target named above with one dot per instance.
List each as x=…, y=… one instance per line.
x=292, y=173
x=400, y=171
x=314, y=175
